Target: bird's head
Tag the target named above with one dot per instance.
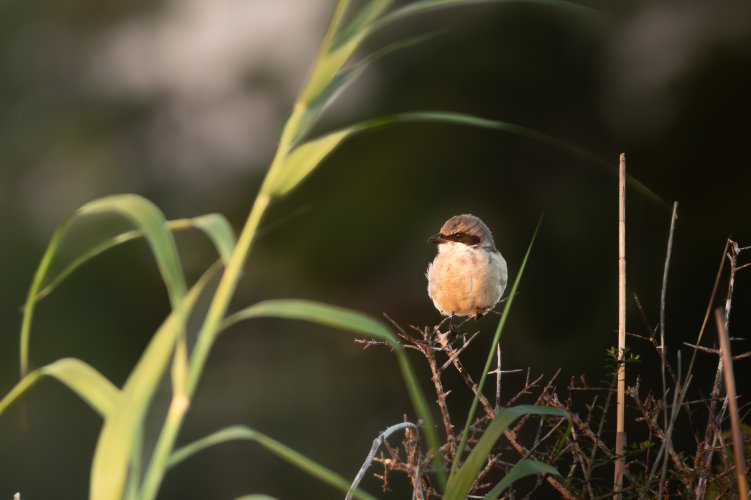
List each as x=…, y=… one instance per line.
x=464, y=229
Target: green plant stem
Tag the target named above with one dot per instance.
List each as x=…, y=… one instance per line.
x=225, y=291
x=207, y=334
x=158, y=465
x=491, y=355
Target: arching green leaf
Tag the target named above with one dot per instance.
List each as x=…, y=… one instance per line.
x=147, y=219
x=81, y=378
x=522, y=468
x=284, y=452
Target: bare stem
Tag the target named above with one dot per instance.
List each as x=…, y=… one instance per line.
x=620, y=436
x=377, y=442
x=663, y=354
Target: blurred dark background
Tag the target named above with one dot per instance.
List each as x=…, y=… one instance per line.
x=182, y=101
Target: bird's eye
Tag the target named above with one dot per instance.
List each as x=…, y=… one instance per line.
x=457, y=235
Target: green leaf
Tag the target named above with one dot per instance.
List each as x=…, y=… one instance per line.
x=343, y=78
x=460, y=482
x=255, y=496
x=215, y=226
x=356, y=322
x=282, y=451
x=316, y=312
x=219, y=231
x=473, y=121
x=123, y=428
x=81, y=378
x=429, y=5
x=523, y=468
x=286, y=175
x=300, y=163
x=335, y=54
x=148, y=220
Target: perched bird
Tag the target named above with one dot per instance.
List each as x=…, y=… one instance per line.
x=468, y=276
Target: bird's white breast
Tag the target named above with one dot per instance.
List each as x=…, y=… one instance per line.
x=466, y=281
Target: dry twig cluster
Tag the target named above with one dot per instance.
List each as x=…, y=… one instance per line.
x=697, y=463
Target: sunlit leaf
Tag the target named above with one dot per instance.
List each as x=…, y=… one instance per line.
x=81, y=378
x=219, y=232
x=316, y=312
x=284, y=452
x=335, y=54
x=215, y=226
x=300, y=163
x=343, y=78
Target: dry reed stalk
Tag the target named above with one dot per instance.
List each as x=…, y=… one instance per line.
x=620, y=437
x=735, y=423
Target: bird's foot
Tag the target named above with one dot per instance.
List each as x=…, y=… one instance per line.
x=453, y=329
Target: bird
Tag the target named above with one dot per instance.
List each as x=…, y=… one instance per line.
x=469, y=274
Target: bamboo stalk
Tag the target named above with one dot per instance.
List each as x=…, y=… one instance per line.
x=620, y=436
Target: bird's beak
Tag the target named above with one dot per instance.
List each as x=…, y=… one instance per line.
x=437, y=239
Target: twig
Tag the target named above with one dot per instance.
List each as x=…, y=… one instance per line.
x=712, y=433
x=663, y=355
x=440, y=392
x=454, y=353
x=735, y=425
x=377, y=442
x=710, y=304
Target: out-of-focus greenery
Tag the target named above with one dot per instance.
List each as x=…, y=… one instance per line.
x=100, y=98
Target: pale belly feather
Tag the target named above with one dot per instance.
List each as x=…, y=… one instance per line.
x=465, y=281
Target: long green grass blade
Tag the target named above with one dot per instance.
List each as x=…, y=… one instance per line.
x=460, y=483
x=284, y=452
x=255, y=496
x=36, y=283
x=473, y=121
x=491, y=352
x=150, y=220
x=80, y=377
x=309, y=155
x=219, y=231
x=336, y=51
x=316, y=312
x=123, y=428
x=422, y=6
x=523, y=468
x=215, y=226
x=348, y=320
x=343, y=78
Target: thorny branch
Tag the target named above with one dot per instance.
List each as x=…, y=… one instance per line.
x=583, y=456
